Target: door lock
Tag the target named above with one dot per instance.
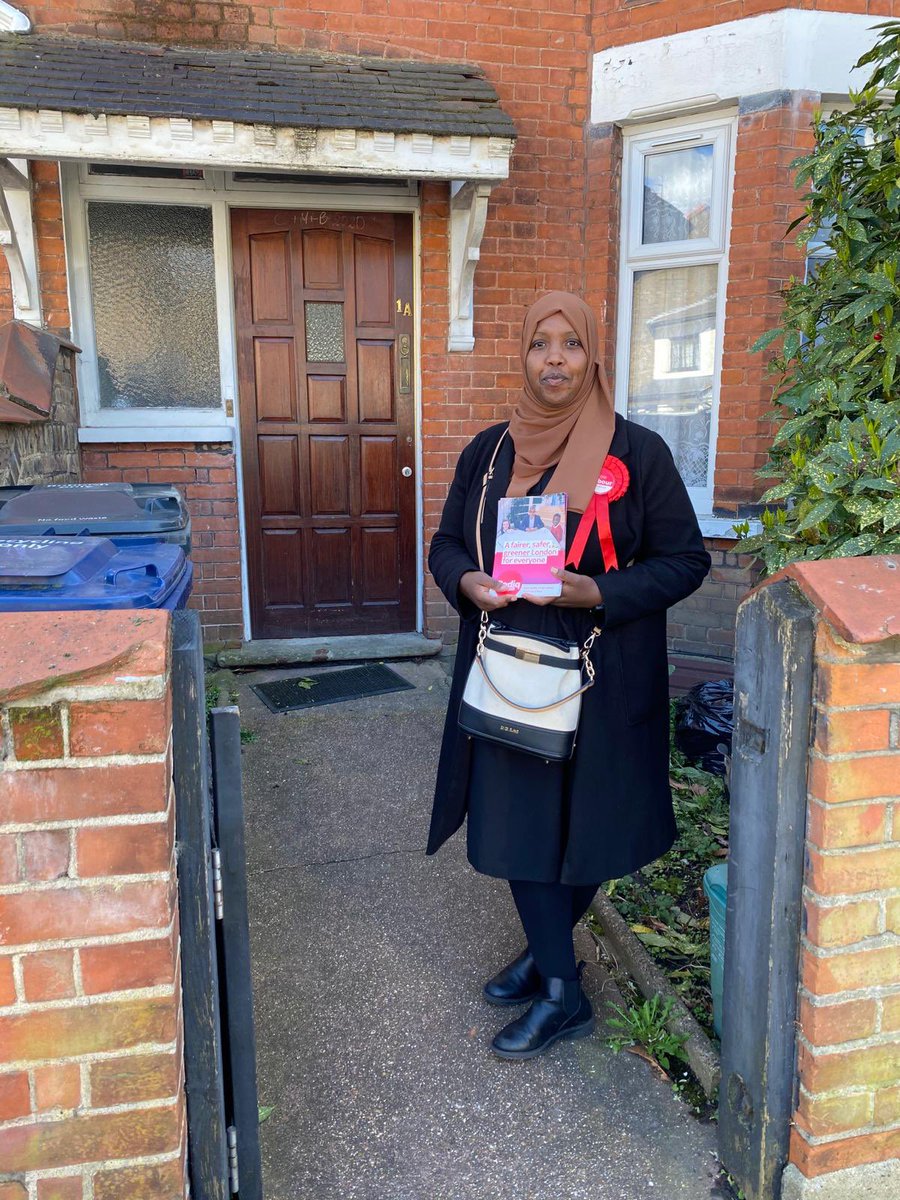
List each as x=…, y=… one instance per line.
x=406, y=472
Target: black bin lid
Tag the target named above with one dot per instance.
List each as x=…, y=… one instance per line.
x=93, y=508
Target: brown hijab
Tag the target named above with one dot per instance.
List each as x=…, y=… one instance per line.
x=574, y=437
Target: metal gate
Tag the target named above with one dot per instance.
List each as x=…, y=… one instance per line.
x=219, y=1039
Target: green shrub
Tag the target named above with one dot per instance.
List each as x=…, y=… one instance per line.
x=836, y=457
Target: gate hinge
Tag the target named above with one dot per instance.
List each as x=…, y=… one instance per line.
x=233, y=1178
x=218, y=891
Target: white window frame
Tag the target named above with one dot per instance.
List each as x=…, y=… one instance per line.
x=79, y=188
x=638, y=142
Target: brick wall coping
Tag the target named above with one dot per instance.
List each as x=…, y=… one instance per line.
x=858, y=597
x=46, y=649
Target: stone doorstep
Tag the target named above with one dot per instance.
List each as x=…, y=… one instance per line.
x=284, y=652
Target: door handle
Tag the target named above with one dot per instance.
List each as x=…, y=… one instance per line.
x=406, y=472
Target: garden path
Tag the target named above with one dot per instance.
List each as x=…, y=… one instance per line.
x=373, y=1037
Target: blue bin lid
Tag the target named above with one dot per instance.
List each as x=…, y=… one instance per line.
x=61, y=573
x=715, y=882
x=90, y=508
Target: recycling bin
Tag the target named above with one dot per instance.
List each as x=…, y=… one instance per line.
x=715, y=885
x=111, y=510
x=58, y=573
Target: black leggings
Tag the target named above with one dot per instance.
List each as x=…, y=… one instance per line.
x=549, y=912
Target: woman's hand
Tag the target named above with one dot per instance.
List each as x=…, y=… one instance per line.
x=578, y=591
x=483, y=591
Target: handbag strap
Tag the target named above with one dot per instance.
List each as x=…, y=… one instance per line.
x=584, y=665
x=488, y=476
x=537, y=708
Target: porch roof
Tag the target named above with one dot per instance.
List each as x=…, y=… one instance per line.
x=81, y=99
x=74, y=98
x=322, y=91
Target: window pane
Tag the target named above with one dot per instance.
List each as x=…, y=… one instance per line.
x=324, y=332
x=670, y=380
x=677, y=195
x=153, y=286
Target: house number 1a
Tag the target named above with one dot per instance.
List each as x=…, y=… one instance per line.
x=404, y=309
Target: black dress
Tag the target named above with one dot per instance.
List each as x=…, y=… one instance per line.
x=609, y=810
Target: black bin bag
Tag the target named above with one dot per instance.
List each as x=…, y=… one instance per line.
x=704, y=724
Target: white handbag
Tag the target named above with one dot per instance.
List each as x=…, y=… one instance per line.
x=523, y=689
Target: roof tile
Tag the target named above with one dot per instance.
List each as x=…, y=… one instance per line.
x=303, y=89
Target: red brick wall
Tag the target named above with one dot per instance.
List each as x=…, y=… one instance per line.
x=555, y=223
x=617, y=22
x=601, y=238
x=704, y=623
x=91, y=1084
x=761, y=262
x=849, y=1020
x=47, y=209
x=439, y=28
x=47, y=213
x=6, y=300
x=205, y=475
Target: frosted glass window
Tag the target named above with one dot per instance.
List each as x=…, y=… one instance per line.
x=677, y=195
x=672, y=361
x=324, y=332
x=154, y=297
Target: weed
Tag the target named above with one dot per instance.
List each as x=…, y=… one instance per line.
x=213, y=699
x=645, y=1025
x=664, y=902
x=689, y=1091
x=728, y=1188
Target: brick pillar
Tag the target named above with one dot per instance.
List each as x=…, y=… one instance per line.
x=845, y=1141
x=91, y=1079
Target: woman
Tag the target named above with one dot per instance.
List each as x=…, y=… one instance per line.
x=556, y=831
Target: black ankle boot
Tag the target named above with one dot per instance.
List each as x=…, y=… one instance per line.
x=517, y=983
x=561, y=1011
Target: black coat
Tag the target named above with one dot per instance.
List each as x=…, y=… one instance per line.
x=615, y=790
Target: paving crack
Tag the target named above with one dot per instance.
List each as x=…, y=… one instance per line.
x=334, y=862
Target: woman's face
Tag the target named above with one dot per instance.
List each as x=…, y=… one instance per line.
x=556, y=361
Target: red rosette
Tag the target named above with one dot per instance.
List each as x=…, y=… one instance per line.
x=612, y=484
x=613, y=481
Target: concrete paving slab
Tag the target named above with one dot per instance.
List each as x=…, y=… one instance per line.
x=368, y=963
x=309, y=794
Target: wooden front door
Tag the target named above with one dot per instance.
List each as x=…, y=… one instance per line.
x=324, y=331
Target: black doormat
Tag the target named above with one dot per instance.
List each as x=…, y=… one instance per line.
x=330, y=687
